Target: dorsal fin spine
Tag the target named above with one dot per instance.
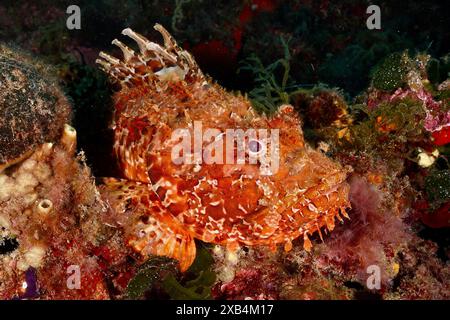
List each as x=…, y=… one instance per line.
x=153, y=64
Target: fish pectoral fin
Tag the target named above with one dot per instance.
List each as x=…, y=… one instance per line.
x=158, y=237
x=150, y=228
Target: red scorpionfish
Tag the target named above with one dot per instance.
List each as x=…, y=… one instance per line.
x=245, y=179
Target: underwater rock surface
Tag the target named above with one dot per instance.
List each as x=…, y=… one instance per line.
x=33, y=109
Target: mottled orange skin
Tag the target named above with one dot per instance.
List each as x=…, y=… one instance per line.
x=226, y=204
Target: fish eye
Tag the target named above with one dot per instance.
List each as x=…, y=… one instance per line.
x=255, y=146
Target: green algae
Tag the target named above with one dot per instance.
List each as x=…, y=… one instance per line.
x=199, y=281
x=391, y=73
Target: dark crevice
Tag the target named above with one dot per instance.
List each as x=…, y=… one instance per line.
x=8, y=245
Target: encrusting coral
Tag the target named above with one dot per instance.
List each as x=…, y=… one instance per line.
x=50, y=206
x=50, y=209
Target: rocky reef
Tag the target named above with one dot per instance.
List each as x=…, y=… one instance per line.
x=60, y=238
x=50, y=209
x=39, y=181
x=33, y=108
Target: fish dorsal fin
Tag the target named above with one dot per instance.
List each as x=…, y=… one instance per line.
x=153, y=65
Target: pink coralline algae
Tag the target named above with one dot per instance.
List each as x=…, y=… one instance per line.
x=436, y=118
x=373, y=236
x=250, y=284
